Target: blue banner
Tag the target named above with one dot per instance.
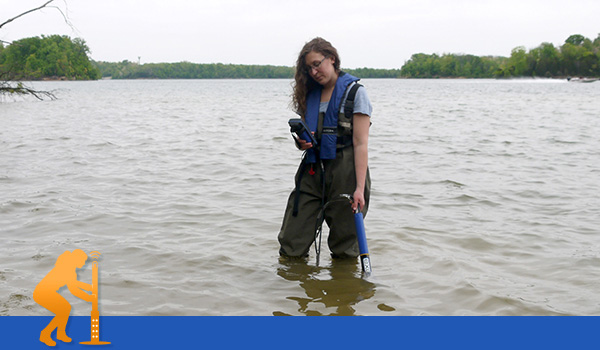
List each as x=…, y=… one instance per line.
x=190, y=332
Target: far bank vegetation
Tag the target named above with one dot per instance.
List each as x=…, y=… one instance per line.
x=578, y=56
x=60, y=57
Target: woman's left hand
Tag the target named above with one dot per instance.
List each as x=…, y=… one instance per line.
x=358, y=199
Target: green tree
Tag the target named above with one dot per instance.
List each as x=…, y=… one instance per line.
x=548, y=60
x=580, y=56
x=575, y=39
x=48, y=56
x=572, y=59
x=11, y=87
x=517, y=63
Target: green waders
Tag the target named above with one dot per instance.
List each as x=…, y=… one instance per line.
x=298, y=231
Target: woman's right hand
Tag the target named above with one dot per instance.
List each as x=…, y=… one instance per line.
x=303, y=144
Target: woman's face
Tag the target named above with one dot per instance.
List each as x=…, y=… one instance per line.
x=321, y=68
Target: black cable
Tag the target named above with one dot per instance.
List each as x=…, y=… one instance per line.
x=321, y=217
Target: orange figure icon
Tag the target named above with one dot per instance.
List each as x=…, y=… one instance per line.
x=46, y=293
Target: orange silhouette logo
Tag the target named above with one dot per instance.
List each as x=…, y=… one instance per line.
x=46, y=294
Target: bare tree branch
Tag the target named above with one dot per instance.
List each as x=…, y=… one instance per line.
x=63, y=14
x=8, y=88
x=26, y=12
x=21, y=89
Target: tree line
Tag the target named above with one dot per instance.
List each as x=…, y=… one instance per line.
x=186, y=70
x=578, y=56
x=61, y=57
x=53, y=56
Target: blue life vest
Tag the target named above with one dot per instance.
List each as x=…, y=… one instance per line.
x=329, y=133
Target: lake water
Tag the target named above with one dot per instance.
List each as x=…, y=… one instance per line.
x=485, y=199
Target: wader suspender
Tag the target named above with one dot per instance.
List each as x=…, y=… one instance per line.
x=349, y=112
x=345, y=140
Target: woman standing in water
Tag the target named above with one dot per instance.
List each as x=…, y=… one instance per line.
x=46, y=293
x=339, y=165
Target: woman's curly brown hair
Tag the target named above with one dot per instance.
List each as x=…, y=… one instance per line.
x=303, y=82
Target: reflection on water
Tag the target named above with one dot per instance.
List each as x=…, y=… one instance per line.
x=332, y=290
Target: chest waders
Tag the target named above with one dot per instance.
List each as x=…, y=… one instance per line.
x=344, y=139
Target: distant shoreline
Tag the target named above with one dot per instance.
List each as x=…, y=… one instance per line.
x=28, y=59
x=574, y=79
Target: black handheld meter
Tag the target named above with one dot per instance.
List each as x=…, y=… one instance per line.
x=298, y=127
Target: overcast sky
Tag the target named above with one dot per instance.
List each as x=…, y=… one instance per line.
x=367, y=33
